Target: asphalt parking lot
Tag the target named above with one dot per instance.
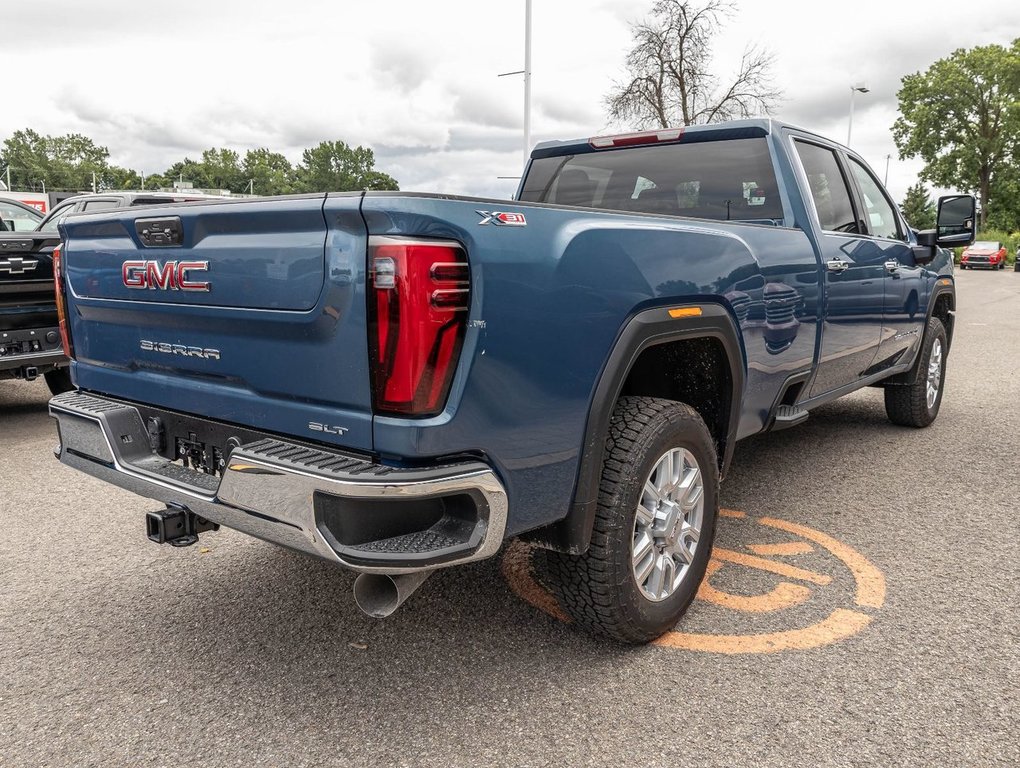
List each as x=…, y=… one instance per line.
x=862, y=610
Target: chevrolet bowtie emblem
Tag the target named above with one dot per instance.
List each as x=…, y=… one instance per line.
x=17, y=265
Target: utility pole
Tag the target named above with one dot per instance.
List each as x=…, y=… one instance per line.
x=93, y=182
x=9, y=188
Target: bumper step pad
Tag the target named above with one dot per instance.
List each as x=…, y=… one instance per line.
x=271, y=488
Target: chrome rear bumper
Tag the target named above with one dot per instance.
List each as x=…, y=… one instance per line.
x=301, y=497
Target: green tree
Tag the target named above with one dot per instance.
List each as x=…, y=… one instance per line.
x=25, y=155
x=962, y=117
x=222, y=169
x=670, y=81
x=116, y=177
x=58, y=162
x=267, y=173
x=918, y=207
x=333, y=166
x=186, y=170
x=1004, y=208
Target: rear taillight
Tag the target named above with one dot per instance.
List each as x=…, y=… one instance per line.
x=418, y=305
x=62, y=319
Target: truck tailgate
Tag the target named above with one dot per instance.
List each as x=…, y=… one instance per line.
x=243, y=312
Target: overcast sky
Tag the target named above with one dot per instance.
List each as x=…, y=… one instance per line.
x=417, y=81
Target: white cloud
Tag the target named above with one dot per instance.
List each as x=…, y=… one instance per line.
x=158, y=80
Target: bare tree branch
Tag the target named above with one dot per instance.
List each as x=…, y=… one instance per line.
x=670, y=78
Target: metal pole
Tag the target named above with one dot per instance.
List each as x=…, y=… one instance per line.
x=527, y=81
x=885, y=181
x=9, y=188
x=850, y=124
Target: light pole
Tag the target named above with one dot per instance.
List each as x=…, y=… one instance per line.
x=862, y=88
x=527, y=80
x=885, y=181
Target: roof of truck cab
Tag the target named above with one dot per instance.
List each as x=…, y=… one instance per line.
x=732, y=129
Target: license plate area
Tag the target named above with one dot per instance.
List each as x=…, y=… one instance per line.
x=192, y=442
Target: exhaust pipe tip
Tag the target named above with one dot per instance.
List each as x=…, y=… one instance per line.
x=379, y=595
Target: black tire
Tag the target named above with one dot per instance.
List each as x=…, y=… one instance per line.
x=907, y=404
x=599, y=589
x=59, y=380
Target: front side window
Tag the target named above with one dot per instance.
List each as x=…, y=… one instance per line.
x=828, y=188
x=882, y=221
x=58, y=215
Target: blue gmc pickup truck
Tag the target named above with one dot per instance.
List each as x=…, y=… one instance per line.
x=401, y=382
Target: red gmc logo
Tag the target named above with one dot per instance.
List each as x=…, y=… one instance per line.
x=168, y=276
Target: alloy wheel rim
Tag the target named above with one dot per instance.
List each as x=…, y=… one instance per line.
x=934, y=372
x=667, y=524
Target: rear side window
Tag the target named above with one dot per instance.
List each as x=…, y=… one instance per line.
x=730, y=179
x=99, y=205
x=828, y=188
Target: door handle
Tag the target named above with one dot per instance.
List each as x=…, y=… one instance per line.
x=892, y=266
x=837, y=265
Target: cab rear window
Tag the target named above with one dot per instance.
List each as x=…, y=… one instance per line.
x=727, y=180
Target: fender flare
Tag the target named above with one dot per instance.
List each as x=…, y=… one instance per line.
x=646, y=329
x=943, y=287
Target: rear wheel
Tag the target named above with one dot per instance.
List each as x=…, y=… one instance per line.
x=917, y=404
x=59, y=380
x=654, y=524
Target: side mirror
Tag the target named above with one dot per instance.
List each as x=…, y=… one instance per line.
x=956, y=223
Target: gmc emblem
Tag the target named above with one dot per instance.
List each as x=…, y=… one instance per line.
x=167, y=276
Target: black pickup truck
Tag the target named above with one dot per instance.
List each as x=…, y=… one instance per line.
x=29, y=333
x=30, y=344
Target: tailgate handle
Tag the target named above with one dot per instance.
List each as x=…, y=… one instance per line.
x=160, y=233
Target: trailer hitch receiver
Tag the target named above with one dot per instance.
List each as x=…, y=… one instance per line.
x=176, y=526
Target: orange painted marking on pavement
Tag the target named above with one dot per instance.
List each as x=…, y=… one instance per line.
x=783, y=595
x=781, y=569
x=732, y=513
x=870, y=581
x=786, y=548
x=838, y=625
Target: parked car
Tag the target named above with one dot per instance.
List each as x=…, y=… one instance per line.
x=984, y=254
x=400, y=382
x=104, y=201
x=18, y=217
